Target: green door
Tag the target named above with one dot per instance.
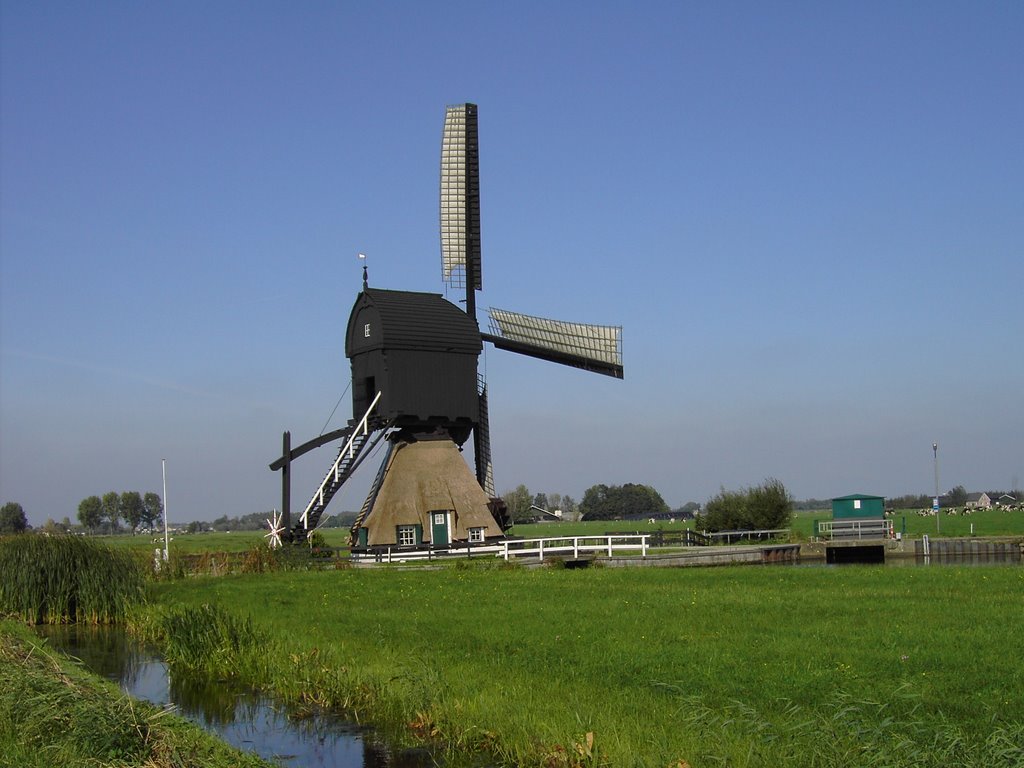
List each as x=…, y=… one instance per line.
x=439, y=528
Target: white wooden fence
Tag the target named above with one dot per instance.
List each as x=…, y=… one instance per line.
x=561, y=546
x=576, y=545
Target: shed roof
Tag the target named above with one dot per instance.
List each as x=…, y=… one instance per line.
x=853, y=496
x=413, y=320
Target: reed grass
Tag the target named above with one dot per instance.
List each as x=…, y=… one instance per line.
x=58, y=579
x=652, y=667
x=52, y=713
x=206, y=639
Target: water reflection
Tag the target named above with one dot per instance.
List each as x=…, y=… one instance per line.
x=240, y=717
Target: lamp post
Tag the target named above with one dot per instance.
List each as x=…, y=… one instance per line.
x=163, y=469
x=935, y=453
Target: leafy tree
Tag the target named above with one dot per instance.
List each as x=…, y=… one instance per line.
x=154, y=509
x=111, y=510
x=90, y=512
x=541, y=500
x=595, y=503
x=602, y=502
x=763, y=507
x=132, y=509
x=12, y=518
x=689, y=509
x=52, y=527
x=769, y=505
x=724, y=512
x=957, y=496
x=518, y=502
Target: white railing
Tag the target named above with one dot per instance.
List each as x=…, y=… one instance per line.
x=564, y=545
x=859, y=529
x=540, y=548
x=754, y=533
x=362, y=428
x=397, y=554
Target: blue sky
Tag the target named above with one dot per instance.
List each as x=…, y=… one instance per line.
x=808, y=218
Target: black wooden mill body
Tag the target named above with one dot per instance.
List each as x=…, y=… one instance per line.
x=414, y=362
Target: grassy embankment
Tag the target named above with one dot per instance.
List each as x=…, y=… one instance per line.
x=53, y=713
x=645, y=667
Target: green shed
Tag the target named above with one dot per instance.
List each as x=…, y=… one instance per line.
x=858, y=505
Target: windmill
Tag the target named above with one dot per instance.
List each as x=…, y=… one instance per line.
x=415, y=381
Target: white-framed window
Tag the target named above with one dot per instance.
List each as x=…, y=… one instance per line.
x=476, y=535
x=440, y=518
x=406, y=535
x=366, y=331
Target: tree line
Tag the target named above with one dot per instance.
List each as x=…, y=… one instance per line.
x=105, y=513
x=255, y=521
x=600, y=502
x=763, y=507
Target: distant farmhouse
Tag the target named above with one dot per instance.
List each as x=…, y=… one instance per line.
x=978, y=501
x=544, y=516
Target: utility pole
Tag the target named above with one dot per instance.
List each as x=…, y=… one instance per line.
x=935, y=506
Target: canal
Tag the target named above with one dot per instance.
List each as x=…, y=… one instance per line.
x=242, y=717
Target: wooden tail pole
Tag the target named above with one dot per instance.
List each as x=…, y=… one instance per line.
x=286, y=483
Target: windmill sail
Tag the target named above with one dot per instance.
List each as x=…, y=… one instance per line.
x=460, y=200
x=596, y=348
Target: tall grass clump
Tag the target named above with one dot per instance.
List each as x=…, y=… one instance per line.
x=65, y=579
x=209, y=638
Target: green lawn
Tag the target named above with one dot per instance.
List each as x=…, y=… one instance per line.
x=216, y=541
x=742, y=666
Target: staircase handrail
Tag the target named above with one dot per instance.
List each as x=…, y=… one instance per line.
x=361, y=430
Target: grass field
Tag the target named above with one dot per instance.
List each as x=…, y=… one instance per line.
x=217, y=541
x=651, y=667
